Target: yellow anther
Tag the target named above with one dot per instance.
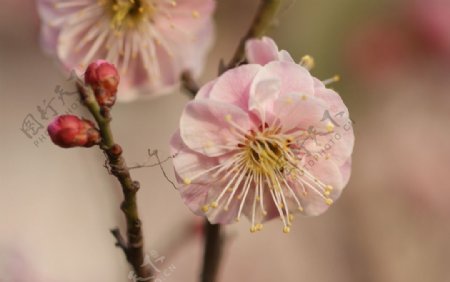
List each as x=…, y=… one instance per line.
x=228, y=117
x=330, y=127
x=333, y=79
x=264, y=213
x=205, y=208
x=289, y=100
x=225, y=208
x=291, y=217
x=304, y=97
x=300, y=209
x=286, y=229
x=237, y=219
x=195, y=14
x=327, y=193
x=214, y=204
x=307, y=62
x=329, y=201
x=253, y=229
x=173, y=3
x=259, y=227
x=329, y=187
x=187, y=181
x=208, y=144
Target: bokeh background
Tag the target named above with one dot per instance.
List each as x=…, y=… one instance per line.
x=391, y=224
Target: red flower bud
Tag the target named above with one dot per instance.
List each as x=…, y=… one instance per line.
x=104, y=80
x=70, y=131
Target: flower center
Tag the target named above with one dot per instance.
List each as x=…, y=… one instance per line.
x=266, y=162
x=129, y=13
x=266, y=152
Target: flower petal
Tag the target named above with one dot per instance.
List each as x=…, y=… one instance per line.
x=205, y=126
x=264, y=90
x=294, y=78
x=261, y=51
x=331, y=97
x=233, y=86
x=296, y=111
x=189, y=164
x=328, y=173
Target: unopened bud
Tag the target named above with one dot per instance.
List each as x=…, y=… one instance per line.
x=104, y=80
x=69, y=131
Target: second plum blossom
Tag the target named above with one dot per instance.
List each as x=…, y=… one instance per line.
x=263, y=140
x=150, y=41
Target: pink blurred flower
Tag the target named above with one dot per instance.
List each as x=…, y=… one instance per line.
x=150, y=41
x=430, y=20
x=264, y=142
x=378, y=49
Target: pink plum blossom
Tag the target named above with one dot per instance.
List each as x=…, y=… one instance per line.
x=150, y=41
x=263, y=140
x=430, y=21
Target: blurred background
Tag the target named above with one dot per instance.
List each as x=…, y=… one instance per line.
x=392, y=223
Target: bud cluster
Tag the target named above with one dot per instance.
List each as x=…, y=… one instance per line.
x=69, y=131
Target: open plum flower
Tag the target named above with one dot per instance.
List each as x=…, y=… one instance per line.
x=263, y=140
x=150, y=41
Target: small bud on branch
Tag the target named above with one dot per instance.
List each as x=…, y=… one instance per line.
x=69, y=131
x=104, y=79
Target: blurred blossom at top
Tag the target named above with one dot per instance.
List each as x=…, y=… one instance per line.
x=430, y=21
x=411, y=34
x=151, y=42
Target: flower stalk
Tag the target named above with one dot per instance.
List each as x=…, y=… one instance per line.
x=133, y=247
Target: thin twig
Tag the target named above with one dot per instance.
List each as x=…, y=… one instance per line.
x=189, y=83
x=213, y=237
x=134, y=246
x=263, y=19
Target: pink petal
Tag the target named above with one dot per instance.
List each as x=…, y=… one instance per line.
x=261, y=51
x=264, y=90
x=346, y=169
x=296, y=112
x=204, y=127
x=284, y=56
x=49, y=39
x=189, y=164
x=233, y=86
x=205, y=90
x=194, y=196
x=198, y=52
x=294, y=78
x=330, y=96
x=328, y=173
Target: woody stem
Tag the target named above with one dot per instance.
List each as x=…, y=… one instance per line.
x=133, y=247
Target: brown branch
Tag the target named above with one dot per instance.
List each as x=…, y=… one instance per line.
x=134, y=246
x=213, y=251
x=189, y=83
